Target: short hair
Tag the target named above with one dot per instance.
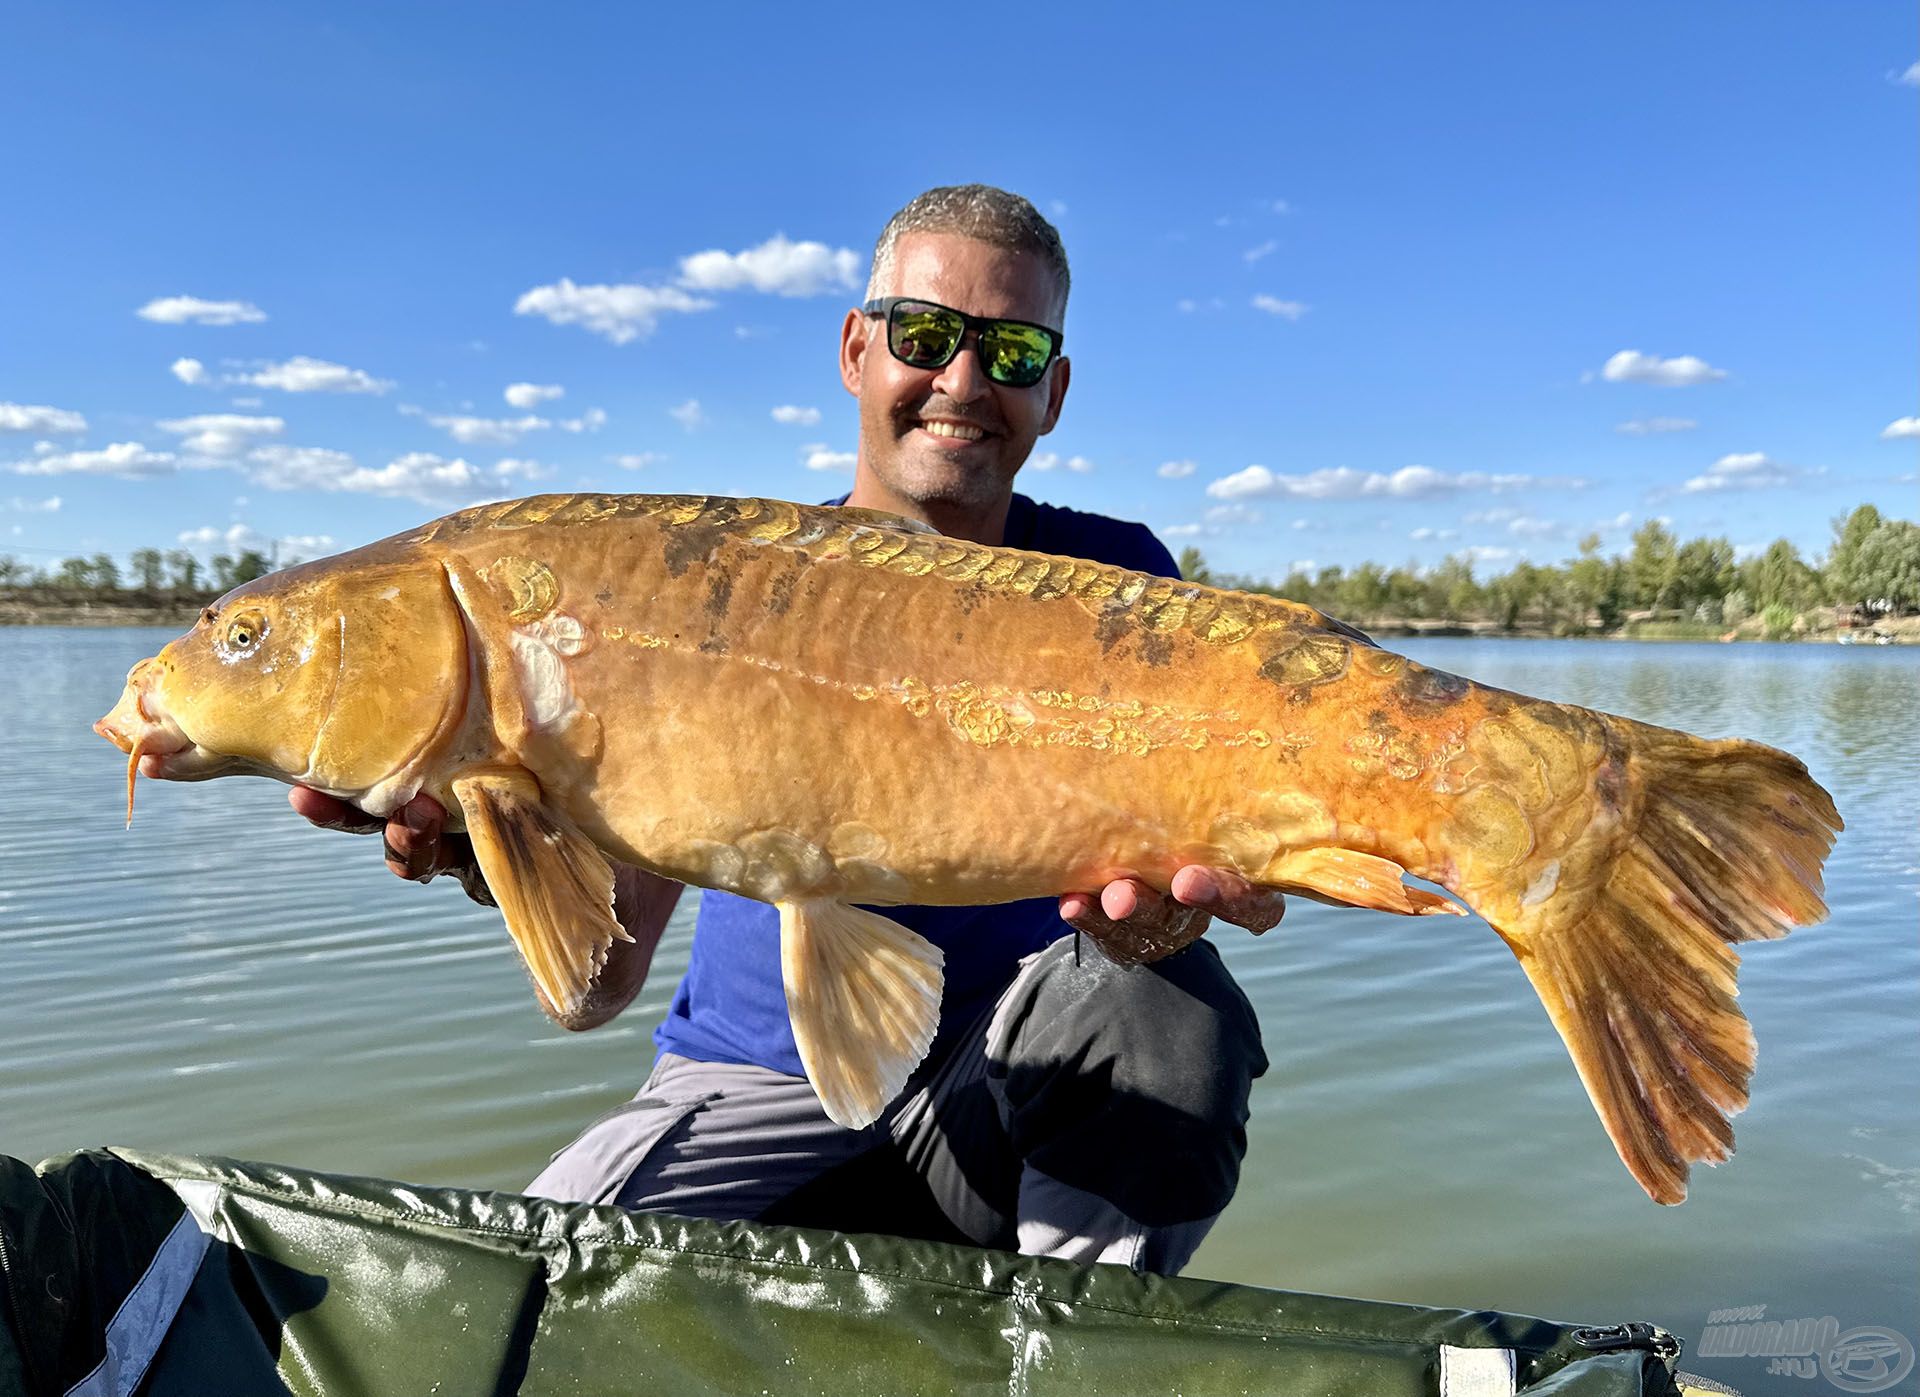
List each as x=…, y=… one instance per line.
x=979, y=211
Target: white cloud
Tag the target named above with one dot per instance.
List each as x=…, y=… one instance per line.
x=1184, y=531
x=1234, y=514
x=796, y=416
x=637, y=460
x=222, y=434
x=531, y=395
x=184, y=310
x=238, y=537
x=1745, y=470
x=592, y=420
x=1266, y=249
x=305, y=546
x=777, y=266
x=1527, y=526
x=1910, y=78
x=818, y=457
x=1654, y=426
x=298, y=467
x=50, y=505
x=1631, y=366
x=1422, y=534
x=618, y=313
x=1488, y=553
x=189, y=371
x=688, y=414
x=433, y=480
x=489, y=431
x=1901, y=427
x=128, y=459
x=18, y=417
x=302, y=374
x=1278, y=205
x=1273, y=305
x=1176, y=470
x=1050, y=460
x=1346, y=483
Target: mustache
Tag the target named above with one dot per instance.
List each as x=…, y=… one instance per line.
x=939, y=405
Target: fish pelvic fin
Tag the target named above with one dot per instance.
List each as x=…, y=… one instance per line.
x=1354, y=879
x=1640, y=980
x=863, y=993
x=554, y=887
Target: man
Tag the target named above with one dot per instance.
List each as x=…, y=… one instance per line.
x=1069, y=1106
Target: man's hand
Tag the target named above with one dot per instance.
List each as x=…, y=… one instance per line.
x=416, y=846
x=1133, y=924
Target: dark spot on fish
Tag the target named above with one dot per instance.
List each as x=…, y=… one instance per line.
x=1116, y=619
x=604, y=596
x=1418, y=684
x=781, y=589
x=970, y=596
x=1156, y=649
x=683, y=545
x=719, y=593
x=714, y=645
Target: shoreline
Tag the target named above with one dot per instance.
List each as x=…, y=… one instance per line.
x=1905, y=630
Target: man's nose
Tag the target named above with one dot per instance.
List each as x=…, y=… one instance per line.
x=963, y=379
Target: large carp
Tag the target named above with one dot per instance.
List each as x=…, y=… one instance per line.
x=825, y=707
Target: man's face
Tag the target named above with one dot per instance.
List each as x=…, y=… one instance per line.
x=950, y=439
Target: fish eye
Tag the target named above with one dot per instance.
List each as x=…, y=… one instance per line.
x=243, y=633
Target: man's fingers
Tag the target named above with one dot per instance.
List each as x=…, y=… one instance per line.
x=1230, y=897
x=1123, y=897
x=412, y=839
x=329, y=812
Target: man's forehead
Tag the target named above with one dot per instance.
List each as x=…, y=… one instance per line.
x=979, y=277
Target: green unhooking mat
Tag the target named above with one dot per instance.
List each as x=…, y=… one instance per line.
x=124, y=1273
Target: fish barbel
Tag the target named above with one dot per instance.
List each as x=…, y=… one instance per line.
x=822, y=707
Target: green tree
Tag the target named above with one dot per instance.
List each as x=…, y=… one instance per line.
x=1451, y=591
x=1363, y=592
x=186, y=570
x=1778, y=577
x=75, y=574
x=1845, y=583
x=222, y=572
x=1702, y=572
x=250, y=564
x=104, y=573
x=1650, y=567
x=147, y=566
x=1194, y=568
x=1887, y=564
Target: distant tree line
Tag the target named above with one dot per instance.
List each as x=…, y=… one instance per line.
x=1873, y=568
x=151, y=575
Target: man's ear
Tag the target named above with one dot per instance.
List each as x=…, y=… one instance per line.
x=853, y=350
x=1057, y=377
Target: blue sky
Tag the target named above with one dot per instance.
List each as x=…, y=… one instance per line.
x=1383, y=281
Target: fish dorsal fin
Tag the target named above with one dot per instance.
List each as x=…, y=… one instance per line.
x=881, y=519
x=864, y=996
x=555, y=889
x=1353, y=879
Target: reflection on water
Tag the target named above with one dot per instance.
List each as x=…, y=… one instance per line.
x=223, y=979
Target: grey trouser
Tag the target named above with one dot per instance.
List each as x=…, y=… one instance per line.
x=1096, y=1113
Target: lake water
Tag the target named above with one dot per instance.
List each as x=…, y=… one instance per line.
x=223, y=979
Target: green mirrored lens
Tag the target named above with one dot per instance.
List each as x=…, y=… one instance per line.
x=925, y=335
x=1016, y=354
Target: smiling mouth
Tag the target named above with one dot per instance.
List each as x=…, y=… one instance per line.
x=953, y=431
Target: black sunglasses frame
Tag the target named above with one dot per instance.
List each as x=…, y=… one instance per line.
x=885, y=307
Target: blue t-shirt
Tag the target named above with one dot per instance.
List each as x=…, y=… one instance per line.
x=732, y=1004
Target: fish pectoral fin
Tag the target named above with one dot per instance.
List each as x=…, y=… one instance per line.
x=1354, y=879
x=864, y=996
x=555, y=889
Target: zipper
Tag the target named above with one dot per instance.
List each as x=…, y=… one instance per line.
x=11, y=1295
x=1605, y=1338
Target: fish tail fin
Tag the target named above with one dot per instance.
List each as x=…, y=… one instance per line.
x=1639, y=976
x=863, y=993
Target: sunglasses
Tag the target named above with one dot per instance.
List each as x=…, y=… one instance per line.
x=925, y=335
